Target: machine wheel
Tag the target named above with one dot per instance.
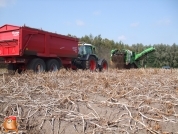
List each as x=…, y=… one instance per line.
x=133, y=66
x=103, y=66
x=52, y=65
x=11, y=68
x=92, y=63
x=37, y=65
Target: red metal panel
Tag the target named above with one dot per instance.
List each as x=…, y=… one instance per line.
x=63, y=46
x=47, y=44
x=16, y=41
x=9, y=40
x=8, y=28
x=32, y=40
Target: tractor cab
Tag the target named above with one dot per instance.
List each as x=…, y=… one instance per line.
x=85, y=49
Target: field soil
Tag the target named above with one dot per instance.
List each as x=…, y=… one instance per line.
x=142, y=101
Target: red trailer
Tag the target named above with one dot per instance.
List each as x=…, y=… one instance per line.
x=22, y=45
x=35, y=49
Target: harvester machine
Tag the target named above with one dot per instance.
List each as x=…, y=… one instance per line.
x=126, y=59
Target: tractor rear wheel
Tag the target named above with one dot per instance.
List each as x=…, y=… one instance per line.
x=92, y=64
x=37, y=65
x=52, y=65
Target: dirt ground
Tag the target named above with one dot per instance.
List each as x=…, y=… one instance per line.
x=139, y=101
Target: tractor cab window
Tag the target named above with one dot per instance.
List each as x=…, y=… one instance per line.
x=84, y=49
x=88, y=49
x=81, y=50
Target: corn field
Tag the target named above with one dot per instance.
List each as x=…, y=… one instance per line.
x=142, y=101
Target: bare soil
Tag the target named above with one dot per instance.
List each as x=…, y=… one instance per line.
x=138, y=101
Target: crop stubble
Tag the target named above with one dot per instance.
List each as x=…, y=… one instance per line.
x=116, y=101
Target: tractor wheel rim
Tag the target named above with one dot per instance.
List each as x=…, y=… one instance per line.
x=105, y=66
x=92, y=65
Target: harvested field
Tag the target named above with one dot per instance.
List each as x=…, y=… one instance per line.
x=138, y=101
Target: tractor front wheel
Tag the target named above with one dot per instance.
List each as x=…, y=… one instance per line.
x=103, y=66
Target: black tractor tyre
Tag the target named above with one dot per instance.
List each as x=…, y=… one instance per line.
x=53, y=65
x=37, y=65
x=91, y=64
x=103, y=66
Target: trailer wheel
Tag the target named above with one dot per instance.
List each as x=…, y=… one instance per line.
x=37, y=65
x=92, y=63
x=103, y=66
x=53, y=65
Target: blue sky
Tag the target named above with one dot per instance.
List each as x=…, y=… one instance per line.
x=130, y=21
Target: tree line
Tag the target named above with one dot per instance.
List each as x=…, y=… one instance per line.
x=165, y=55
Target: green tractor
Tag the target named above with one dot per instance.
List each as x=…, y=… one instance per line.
x=88, y=59
x=127, y=59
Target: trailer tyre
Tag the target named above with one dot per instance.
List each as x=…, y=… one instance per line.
x=103, y=66
x=37, y=65
x=53, y=65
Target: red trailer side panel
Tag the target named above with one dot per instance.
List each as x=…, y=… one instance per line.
x=33, y=41
x=63, y=46
x=47, y=44
x=9, y=40
x=19, y=41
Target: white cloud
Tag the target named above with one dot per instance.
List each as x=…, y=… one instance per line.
x=80, y=23
x=97, y=13
x=163, y=22
x=121, y=38
x=5, y=3
x=135, y=24
x=68, y=23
